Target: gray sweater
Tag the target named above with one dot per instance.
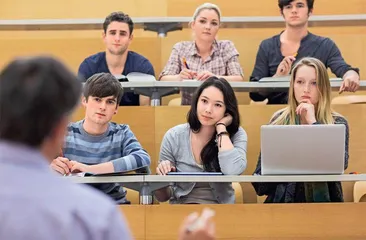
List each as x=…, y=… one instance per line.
x=176, y=147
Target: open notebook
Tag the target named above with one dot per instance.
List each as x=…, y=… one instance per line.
x=136, y=77
x=137, y=171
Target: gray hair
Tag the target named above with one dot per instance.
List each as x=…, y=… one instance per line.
x=209, y=6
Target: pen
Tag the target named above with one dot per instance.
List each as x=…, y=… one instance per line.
x=185, y=62
x=295, y=59
x=62, y=155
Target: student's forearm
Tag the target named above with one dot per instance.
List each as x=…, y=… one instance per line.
x=224, y=141
x=235, y=78
x=350, y=73
x=102, y=168
x=163, y=194
x=136, y=160
x=170, y=78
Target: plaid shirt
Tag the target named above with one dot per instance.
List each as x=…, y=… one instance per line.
x=223, y=61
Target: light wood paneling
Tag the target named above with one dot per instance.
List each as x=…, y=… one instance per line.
x=73, y=51
x=263, y=8
x=265, y=221
x=136, y=220
x=23, y=9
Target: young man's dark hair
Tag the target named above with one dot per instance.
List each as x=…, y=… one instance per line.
x=103, y=85
x=118, y=17
x=283, y=3
x=35, y=94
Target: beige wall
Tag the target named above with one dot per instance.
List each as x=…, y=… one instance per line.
x=24, y=9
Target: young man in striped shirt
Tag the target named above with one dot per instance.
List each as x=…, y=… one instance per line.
x=97, y=145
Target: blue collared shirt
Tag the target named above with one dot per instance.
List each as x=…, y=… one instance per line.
x=35, y=203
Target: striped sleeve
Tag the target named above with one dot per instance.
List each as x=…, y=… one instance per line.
x=134, y=156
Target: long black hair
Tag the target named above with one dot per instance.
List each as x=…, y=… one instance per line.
x=209, y=153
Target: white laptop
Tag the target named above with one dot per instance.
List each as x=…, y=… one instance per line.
x=302, y=149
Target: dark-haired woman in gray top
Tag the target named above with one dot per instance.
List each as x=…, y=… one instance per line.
x=211, y=141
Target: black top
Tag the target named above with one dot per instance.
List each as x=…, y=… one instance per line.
x=295, y=192
x=269, y=56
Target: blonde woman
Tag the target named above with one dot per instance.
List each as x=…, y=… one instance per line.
x=309, y=103
x=205, y=56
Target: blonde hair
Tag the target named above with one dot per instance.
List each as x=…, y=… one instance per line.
x=209, y=6
x=324, y=113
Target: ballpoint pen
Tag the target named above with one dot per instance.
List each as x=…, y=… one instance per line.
x=185, y=62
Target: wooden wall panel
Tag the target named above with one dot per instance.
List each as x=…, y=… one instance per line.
x=135, y=219
x=264, y=7
x=265, y=221
x=73, y=51
x=23, y=9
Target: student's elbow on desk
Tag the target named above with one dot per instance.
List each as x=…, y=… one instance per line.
x=237, y=78
x=170, y=78
x=233, y=78
x=235, y=167
x=136, y=160
x=145, y=158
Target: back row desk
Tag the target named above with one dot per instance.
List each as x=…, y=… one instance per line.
x=157, y=89
x=147, y=184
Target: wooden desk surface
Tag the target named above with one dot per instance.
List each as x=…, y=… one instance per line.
x=338, y=221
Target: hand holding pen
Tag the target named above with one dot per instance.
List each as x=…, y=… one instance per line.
x=284, y=68
x=61, y=164
x=186, y=73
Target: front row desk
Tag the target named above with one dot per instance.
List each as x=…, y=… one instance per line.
x=339, y=221
x=336, y=221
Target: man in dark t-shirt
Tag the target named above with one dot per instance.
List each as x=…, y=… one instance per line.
x=117, y=59
x=277, y=55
